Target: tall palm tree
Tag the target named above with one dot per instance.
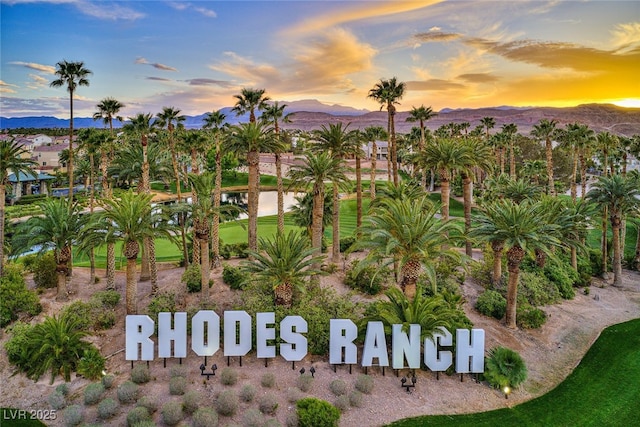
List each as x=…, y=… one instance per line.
x=421, y=114
x=312, y=173
x=387, y=93
x=71, y=75
x=250, y=139
x=510, y=130
x=544, y=130
x=340, y=142
x=373, y=134
x=520, y=229
x=250, y=100
x=407, y=232
x=59, y=228
x=621, y=196
x=274, y=115
x=13, y=158
x=132, y=219
x=488, y=123
x=202, y=207
x=215, y=122
x=284, y=262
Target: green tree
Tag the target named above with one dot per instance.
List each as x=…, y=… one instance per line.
x=13, y=158
x=373, y=134
x=545, y=130
x=71, y=75
x=250, y=100
x=510, y=130
x=421, y=114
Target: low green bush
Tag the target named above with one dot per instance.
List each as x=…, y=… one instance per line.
x=172, y=413
x=178, y=371
x=247, y=393
x=137, y=415
x=57, y=400
x=364, y=384
x=227, y=403
x=234, y=277
x=107, y=381
x=192, y=277
x=268, y=404
x=108, y=298
x=304, y=383
x=128, y=392
x=163, y=302
x=191, y=401
x=253, y=418
x=492, y=303
x=177, y=386
x=92, y=393
x=44, y=271
x=355, y=399
x=91, y=364
x=529, y=317
x=140, y=374
x=338, y=387
x=205, y=417
x=108, y=408
x=504, y=368
x=149, y=403
x=16, y=298
x=369, y=280
x=228, y=376
x=537, y=289
x=563, y=277
x=19, y=338
x=314, y=412
x=346, y=243
x=342, y=403
x=294, y=394
x=63, y=388
x=268, y=380
x=73, y=415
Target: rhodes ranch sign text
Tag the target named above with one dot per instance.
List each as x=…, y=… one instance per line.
x=237, y=333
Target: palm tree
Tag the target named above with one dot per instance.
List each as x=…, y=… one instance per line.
x=340, y=142
x=373, y=134
x=108, y=110
x=14, y=158
x=407, y=232
x=71, y=75
x=250, y=100
x=302, y=212
x=519, y=229
x=510, y=130
x=251, y=139
x=284, y=262
x=620, y=195
x=273, y=113
x=203, y=186
x=59, y=229
x=387, y=93
x=215, y=122
x=421, y=114
x=312, y=173
x=544, y=130
x=132, y=219
x=488, y=123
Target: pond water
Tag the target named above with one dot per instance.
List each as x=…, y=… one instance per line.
x=267, y=202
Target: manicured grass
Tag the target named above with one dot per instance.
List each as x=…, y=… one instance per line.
x=603, y=390
x=456, y=208
x=237, y=179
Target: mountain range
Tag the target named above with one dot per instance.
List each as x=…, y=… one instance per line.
x=311, y=114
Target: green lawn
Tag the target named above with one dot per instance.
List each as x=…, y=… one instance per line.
x=602, y=391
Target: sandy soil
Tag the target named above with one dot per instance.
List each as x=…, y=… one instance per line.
x=551, y=353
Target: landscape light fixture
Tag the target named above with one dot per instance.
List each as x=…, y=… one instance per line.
x=506, y=389
x=409, y=386
x=302, y=371
x=313, y=372
x=214, y=367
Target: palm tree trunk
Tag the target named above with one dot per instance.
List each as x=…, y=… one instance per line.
x=204, y=267
x=153, y=268
x=432, y=180
x=497, y=248
x=514, y=258
x=549, y=154
x=583, y=175
x=358, y=191
x=374, y=164
x=215, y=232
x=636, y=259
x=283, y=294
x=512, y=160
x=280, y=192
x=617, y=256
x=502, y=161
x=145, y=273
x=466, y=196
x=70, y=159
x=131, y=292
x=574, y=173
x=335, y=250
x=3, y=192
x=604, y=247
x=62, y=293
x=410, y=273
x=392, y=137
x=444, y=196
x=316, y=217
x=253, y=160
x=111, y=265
x=92, y=255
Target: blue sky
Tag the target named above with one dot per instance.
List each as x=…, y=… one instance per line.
x=196, y=55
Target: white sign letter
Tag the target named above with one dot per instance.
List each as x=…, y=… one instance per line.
x=402, y=346
x=264, y=333
x=342, y=333
x=435, y=359
x=138, y=329
x=198, y=322
x=295, y=346
x=375, y=345
x=177, y=334
x=234, y=345
x=469, y=351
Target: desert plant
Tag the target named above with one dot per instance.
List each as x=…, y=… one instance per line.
x=342, y=402
x=294, y=394
x=172, y=413
x=292, y=419
x=530, y=317
x=91, y=364
x=63, y=388
x=127, y=392
x=268, y=404
x=137, y=415
x=192, y=278
x=304, y=382
x=73, y=415
x=149, y=403
x=140, y=374
x=92, y=393
x=272, y=422
x=177, y=386
x=205, y=417
x=338, y=387
x=108, y=298
x=253, y=418
x=57, y=400
x=504, y=368
x=369, y=280
x=364, y=384
x=44, y=271
x=178, y=371
x=234, y=277
x=228, y=376
x=227, y=403
x=15, y=296
x=247, y=393
x=107, y=381
x=314, y=412
x=107, y=408
x=268, y=380
x=191, y=401
x=355, y=399
x=492, y=303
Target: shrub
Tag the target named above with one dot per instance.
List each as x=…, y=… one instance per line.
x=205, y=417
x=191, y=401
x=292, y=419
x=149, y=403
x=504, y=367
x=138, y=415
x=364, y=384
x=370, y=280
x=63, y=388
x=92, y=393
x=15, y=296
x=563, y=277
x=241, y=249
x=268, y=404
x=272, y=422
x=529, y=317
x=140, y=374
x=304, y=382
x=253, y=418
x=234, y=277
x=492, y=303
x=107, y=408
x=19, y=332
x=192, y=277
x=127, y=392
x=145, y=423
x=314, y=412
x=107, y=381
x=228, y=376
x=537, y=289
x=342, y=403
x=163, y=302
x=108, y=298
x=57, y=400
x=82, y=313
x=91, y=364
x=338, y=387
x=346, y=243
x=172, y=413
x=44, y=271
x=355, y=399
x=177, y=386
x=247, y=393
x=73, y=415
x=178, y=371
x=227, y=403
x=268, y=380
x=293, y=394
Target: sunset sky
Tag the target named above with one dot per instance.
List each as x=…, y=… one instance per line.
x=196, y=55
